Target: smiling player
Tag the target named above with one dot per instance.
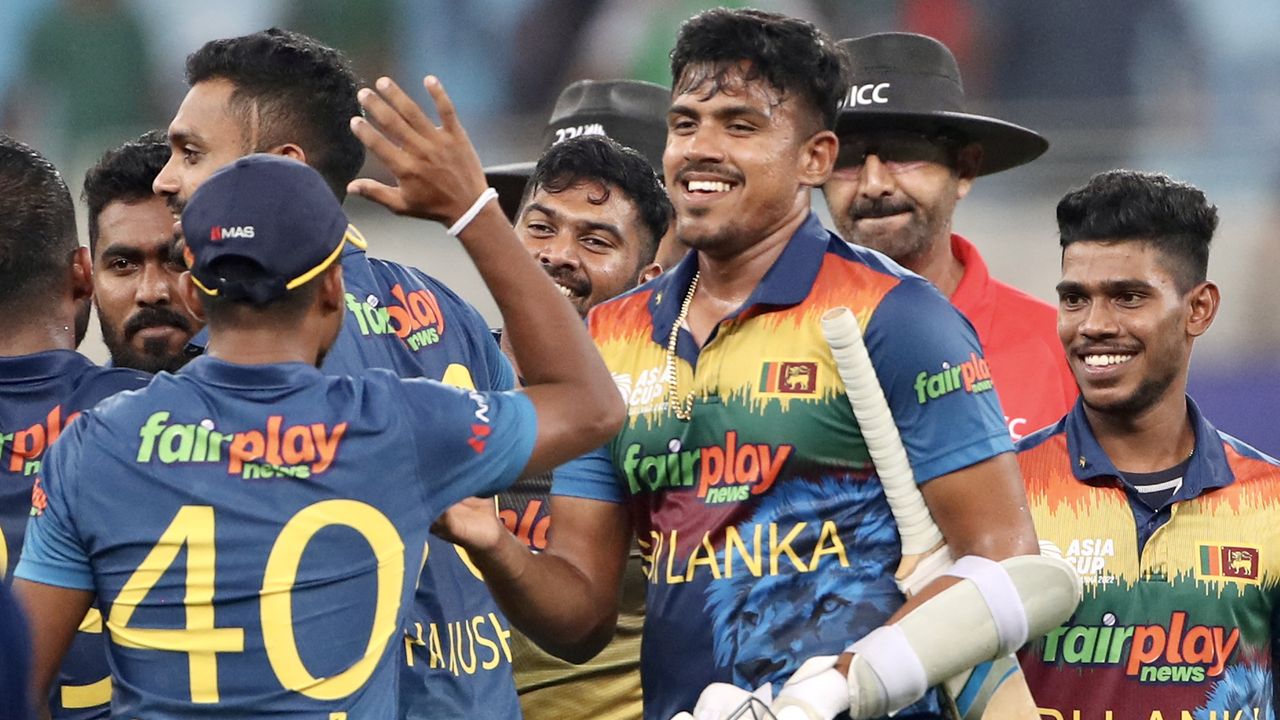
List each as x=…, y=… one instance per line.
x=1171, y=522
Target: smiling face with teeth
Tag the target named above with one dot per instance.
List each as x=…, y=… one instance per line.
x=740, y=158
x=1126, y=327
x=591, y=242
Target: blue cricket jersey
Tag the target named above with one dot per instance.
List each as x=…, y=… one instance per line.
x=456, y=647
x=254, y=533
x=39, y=394
x=766, y=535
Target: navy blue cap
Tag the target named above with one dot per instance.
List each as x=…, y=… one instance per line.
x=278, y=220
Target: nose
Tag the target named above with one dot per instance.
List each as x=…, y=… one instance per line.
x=875, y=179
x=166, y=183
x=702, y=145
x=558, y=251
x=1099, y=321
x=153, y=286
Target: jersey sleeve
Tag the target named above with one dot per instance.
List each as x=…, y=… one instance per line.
x=501, y=375
x=469, y=442
x=938, y=385
x=590, y=476
x=53, y=553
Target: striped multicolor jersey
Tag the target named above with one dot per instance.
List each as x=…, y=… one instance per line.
x=767, y=538
x=1180, y=605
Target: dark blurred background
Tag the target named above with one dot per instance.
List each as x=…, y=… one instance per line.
x=1187, y=87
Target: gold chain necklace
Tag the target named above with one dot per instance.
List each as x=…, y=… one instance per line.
x=683, y=409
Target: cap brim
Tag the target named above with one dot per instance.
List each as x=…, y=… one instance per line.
x=1004, y=144
x=509, y=180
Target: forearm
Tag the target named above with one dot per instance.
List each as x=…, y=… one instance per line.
x=548, y=599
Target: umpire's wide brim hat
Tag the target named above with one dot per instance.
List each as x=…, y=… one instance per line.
x=905, y=80
x=631, y=112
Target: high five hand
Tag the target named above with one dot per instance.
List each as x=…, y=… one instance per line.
x=437, y=170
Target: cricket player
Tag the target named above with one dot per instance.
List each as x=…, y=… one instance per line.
x=144, y=324
x=285, y=93
x=278, y=516
x=1171, y=523
x=45, y=290
x=592, y=217
x=768, y=542
x=909, y=152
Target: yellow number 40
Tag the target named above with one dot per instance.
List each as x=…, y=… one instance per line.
x=201, y=640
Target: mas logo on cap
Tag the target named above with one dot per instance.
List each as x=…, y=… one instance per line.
x=235, y=231
x=261, y=227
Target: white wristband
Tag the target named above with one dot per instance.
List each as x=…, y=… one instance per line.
x=472, y=212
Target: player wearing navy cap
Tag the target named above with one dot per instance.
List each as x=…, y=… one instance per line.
x=45, y=290
x=278, y=516
x=284, y=93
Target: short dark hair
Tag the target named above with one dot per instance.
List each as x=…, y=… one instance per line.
x=124, y=174
x=792, y=55
x=37, y=225
x=601, y=159
x=1174, y=217
x=286, y=309
x=292, y=89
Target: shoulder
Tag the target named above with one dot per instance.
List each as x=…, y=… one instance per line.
x=628, y=314
x=1248, y=461
x=1050, y=438
x=1028, y=308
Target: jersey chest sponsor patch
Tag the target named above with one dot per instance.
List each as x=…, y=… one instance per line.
x=412, y=315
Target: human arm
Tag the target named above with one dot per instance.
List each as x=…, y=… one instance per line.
x=53, y=614
x=439, y=177
x=564, y=598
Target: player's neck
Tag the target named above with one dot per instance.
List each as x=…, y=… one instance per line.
x=725, y=282
x=1154, y=440
x=40, y=336
x=266, y=345
x=938, y=265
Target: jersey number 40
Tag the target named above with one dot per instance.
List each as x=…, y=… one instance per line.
x=193, y=527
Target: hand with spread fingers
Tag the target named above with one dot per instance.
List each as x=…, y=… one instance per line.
x=437, y=170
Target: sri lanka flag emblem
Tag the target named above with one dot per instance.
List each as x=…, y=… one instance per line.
x=1233, y=562
x=789, y=378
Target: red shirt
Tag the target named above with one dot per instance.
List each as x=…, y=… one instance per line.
x=1019, y=335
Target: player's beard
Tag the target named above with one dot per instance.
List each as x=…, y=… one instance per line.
x=1149, y=392
x=155, y=355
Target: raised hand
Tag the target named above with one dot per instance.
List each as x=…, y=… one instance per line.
x=437, y=170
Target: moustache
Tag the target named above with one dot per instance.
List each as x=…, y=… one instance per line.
x=176, y=204
x=579, y=284
x=152, y=316
x=878, y=207
x=707, y=168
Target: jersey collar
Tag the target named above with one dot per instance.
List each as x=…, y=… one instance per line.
x=23, y=369
x=1208, y=469
x=787, y=282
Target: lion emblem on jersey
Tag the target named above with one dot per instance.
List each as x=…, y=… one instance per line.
x=763, y=628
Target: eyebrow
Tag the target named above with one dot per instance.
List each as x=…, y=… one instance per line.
x=1109, y=287
x=588, y=224
x=183, y=135
x=721, y=113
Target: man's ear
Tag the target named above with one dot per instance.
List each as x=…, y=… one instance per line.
x=191, y=296
x=818, y=158
x=333, y=291
x=81, y=274
x=968, y=162
x=649, y=272
x=1204, y=300
x=291, y=151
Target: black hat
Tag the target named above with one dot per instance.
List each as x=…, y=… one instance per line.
x=276, y=216
x=631, y=112
x=908, y=80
